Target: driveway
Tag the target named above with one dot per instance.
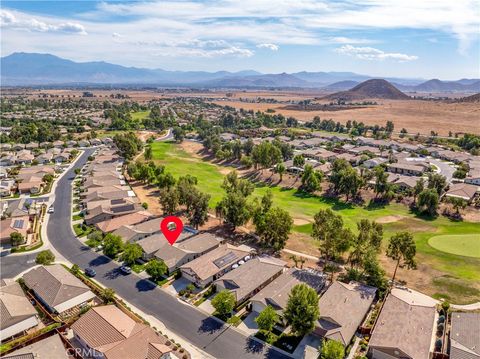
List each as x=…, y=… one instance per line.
x=177, y=285
x=249, y=326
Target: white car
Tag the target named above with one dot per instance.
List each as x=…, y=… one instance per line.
x=51, y=209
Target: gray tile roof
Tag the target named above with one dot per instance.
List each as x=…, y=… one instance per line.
x=465, y=336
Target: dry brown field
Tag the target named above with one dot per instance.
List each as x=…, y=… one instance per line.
x=414, y=115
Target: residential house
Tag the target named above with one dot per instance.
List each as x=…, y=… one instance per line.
x=473, y=177
x=407, y=168
x=116, y=208
x=112, y=334
x=250, y=277
x=33, y=185
x=465, y=335
x=31, y=146
x=45, y=158
x=115, y=223
x=83, y=143
x=8, y=159
x=111, y=202
x=18, y=314
x=13, y=224
x=21, y=207
x=7, y=187
x=374, y=162
x=343, y=308
x=276, y=293
x=184, y=250
x=103, y=181
x=61, y=157
x=18, y=147
x=462, y=190
x=405, y=327
x=214, y=264
x=320, y=154
x=115, y=194
x=57, y=288
x=95, y=142
x=51, y=347
x=58, y=144
x=3, y=172
x=353, y=159
x=133, y=233
x=366, y=150
x=24, y=157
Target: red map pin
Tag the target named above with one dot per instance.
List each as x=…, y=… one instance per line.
x=171, y=232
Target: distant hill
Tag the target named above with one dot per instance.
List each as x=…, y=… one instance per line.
x=341, y=85
x=472, y=98
x=435, y=85
x=30, y=69
x=375, y=88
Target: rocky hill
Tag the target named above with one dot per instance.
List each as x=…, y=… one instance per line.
x=375, y=88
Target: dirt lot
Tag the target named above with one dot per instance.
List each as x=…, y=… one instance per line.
x=414, y=115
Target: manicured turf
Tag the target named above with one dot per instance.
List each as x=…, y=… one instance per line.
x=140, y=115
x=467, y=245
x=463, y=272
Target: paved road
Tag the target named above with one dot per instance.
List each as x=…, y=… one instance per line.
x=202, y=331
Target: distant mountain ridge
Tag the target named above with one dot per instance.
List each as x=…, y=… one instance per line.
x=29, y=69
x=375, y=88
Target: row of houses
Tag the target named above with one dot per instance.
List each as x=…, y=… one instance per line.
x=104, y=331
x=17, y=147
x=27, y=157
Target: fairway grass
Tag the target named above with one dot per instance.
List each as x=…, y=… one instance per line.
x=467, y=245
x=460, y=271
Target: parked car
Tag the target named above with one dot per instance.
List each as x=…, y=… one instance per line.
x=51, y=209
x=125, y=269
x=90, y=272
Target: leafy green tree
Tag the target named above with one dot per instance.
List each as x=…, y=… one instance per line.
x=437, y=182
x=113, y=245
x=16, y=238
x=311, y=179
x=45, y=257
x=165, y=180
x=246, y=161
x=131, y=252
x=369, y=237
x=186, y=188
x=457, y=204
x=75, y=269
x=233, y=183
x=169, y=199
x=178, y=134
x=302, y=311
x=402, y=249
x=108, y=295
x=428, y=201
x=381, y=181
x=148, y=153
x=419, y=187
x=223, y=302
x=267, y=318
x=198, y=210
x=299, y=161
x=266, y=154
x=332, y=349
x=156, y=269
x=329, y=230
x=275, y=228
x=234, y=209
x=280, y=169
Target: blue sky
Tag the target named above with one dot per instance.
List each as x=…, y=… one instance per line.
x=415, y=39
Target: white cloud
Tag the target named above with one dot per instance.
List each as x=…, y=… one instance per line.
x=349, y=40
x=370, y=53
x=272, y=47
x=9, y=20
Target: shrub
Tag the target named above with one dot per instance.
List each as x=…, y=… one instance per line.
x=441, y=319
x=45, y=257
x=445, y=306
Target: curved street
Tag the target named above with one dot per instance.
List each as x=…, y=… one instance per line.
x=200, y=330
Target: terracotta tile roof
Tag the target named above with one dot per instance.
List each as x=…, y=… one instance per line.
x=465, y=336
x=128, y=219
x=406, y=323
x=342, y=309
x=54, y=284
x=14, y=305
x=249, y=276
x=110, y=331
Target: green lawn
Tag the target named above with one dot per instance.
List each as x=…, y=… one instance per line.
x=464, y=271
x=140, y=115
x=467, y=245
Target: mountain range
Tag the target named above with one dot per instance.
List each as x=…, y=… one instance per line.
x=33, y=69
